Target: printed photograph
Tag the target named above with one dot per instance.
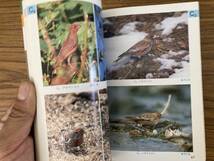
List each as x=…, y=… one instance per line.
x=151, y=118
x=78, y=126
x=67, y=33
x=100, y=43
x=105, y=123
x=147, y=46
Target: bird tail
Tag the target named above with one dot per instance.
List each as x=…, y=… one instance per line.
x=167, y=105
x=120, y=57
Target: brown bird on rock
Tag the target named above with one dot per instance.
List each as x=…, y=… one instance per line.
x=69, y=46
x=150, y=119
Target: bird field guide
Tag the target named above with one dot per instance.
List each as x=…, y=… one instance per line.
x=121, y=84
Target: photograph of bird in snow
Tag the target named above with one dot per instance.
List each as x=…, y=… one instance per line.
x=151, y=118
x=77, y=126
x=147, y=46
x=68, y=43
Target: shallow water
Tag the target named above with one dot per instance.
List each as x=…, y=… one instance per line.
x=122, y=142
x=133, y=101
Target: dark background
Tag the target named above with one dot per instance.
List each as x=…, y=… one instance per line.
x=13, y=68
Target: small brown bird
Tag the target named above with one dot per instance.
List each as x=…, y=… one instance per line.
x=71, y=140
x=69, y=46
x=139, y=50
x=150, y=119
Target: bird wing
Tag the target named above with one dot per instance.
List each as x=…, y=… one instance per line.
x=68, y=46
x=149, y=116
x=139, y=49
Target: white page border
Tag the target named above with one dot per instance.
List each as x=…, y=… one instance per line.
x=199, y=153
x=32, y=48
x=26, y=3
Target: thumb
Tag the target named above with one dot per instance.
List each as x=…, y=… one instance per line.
x=16, y=121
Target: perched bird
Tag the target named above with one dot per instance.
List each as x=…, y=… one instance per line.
x=64, y=74
x=133, y=54
x=139, y=50
x=69, y=46
x=150, y=119
x=71, y=140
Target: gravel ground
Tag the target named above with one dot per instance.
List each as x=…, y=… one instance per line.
x=68, y=112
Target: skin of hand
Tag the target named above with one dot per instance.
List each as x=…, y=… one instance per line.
x=16, y=144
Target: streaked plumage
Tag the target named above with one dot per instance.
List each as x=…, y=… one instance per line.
x=150, y=119
x=139, y=50
x=146, y=119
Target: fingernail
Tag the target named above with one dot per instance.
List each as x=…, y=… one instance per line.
x=23, y=91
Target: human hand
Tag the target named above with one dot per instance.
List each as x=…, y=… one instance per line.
x=16, y=144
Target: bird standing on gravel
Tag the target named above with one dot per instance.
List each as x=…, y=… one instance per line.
x=69, y=46
x=150, y=119
x=71, y=140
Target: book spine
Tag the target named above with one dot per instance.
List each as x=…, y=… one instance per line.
x=64, y=45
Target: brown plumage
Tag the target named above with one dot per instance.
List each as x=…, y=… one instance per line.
x=140, y=49
x=64, y=74
x=71, y=140
x=146, y=119
x=150, y=119
x=69, y=46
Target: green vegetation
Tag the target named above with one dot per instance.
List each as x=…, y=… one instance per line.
x=55, y=19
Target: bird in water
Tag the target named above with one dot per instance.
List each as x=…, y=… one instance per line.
x=150, y=119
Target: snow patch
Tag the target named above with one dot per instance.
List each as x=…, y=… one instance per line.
x=129, y=27
x=170, y=23
x=168, y=39
x=172, y=54
x=168, y=63
x=186, y=58
x=107, y=22
x=117, y=45
x=149, y=76
x=183, y=72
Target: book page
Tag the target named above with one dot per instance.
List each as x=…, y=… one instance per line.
x=154, y=83
x=64, y=46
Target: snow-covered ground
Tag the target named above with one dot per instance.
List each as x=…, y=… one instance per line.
x=129, y=36
x=168, y=63
x=170, y=23
x=183, y=72
x=129, y=27
x=172, y=53
x=117, y=45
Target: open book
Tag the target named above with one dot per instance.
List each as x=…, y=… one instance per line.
x=139, y=67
